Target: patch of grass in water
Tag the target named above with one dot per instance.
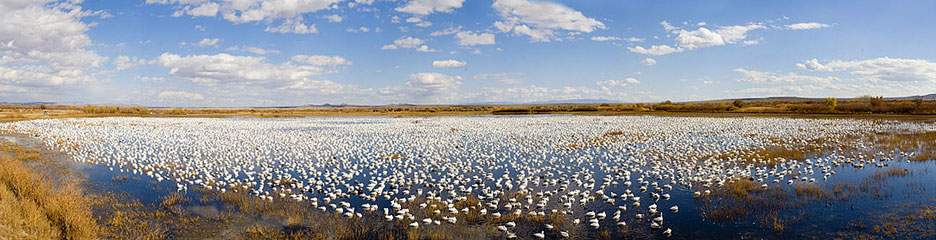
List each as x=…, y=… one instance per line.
x=742, y=199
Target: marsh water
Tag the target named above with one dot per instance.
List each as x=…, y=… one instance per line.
x=858, y=201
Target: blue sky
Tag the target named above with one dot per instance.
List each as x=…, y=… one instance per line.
x=296, y=52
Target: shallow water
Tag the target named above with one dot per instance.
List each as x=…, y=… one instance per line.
x=451, y=150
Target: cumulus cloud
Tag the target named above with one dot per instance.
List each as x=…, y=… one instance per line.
x=426, y=7
x=466, y=38
x=180, y=96
x=618, y=83
x=879, y=69
x=668, y=27
x=448, y=63
x=409, y=42
x=428, y=84
x=44, y=48
x=208, y=42
x=293, y=25
x=152, y=79
x=807, y=26
x=243, y=11
x=704, y=37
x=655, y=50
x=446, y=31
x=648, y=61
x=502, y=78
x=334, y=18
x=701, y=38
x=205, y=10
x=752, y=76
x=125, y=62
x=604, y=38
x=230, y=70
x=254, y=50
x=539, y=20
x=535, y=93
x=425, y=48
x=321, y=60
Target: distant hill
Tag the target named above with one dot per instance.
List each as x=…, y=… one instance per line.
x=31, y=103
x=928, y=97
x=567, y=101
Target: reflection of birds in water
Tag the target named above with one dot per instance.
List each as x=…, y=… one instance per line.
x=573, y=167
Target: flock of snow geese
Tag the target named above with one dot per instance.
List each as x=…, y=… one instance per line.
x=599, y=172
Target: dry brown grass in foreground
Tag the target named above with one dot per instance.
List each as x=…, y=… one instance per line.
x=36, y=205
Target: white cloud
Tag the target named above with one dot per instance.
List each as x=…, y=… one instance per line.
x=879, y=69
x=430, y=84
x=326, y=87
x=534, y=93
x=360, y=29
x=538, y=20
x=125, y=62
x=807, y=26
x=33, y=33
x=618, y=83
x=648, y=61
x=655, y=50
x=334, y=18
x=425, y=48
x=752, y=76
x=242, y=11
x=152, y=79
x=208, y=42
x=470, y=39
x=230, y=70
x=408, y=42
x=208, y=9
x=40, y=76
x=424, y=24
x=320, y=60
x=447, y=31
x=254, y=50
x=635, y=39
x=704, y=37
x=294, y=25
x=667, y=26
x=426, y=7
x=180, y=96
x=502, y=78
x=448, y=63
x=604, y=38
x=44, y=49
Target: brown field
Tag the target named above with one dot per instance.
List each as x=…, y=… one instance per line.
x=868, y=107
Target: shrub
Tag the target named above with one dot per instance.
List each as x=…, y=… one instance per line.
x=738, y=103
x=831, y=102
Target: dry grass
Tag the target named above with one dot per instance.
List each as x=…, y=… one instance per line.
x=36, y=205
